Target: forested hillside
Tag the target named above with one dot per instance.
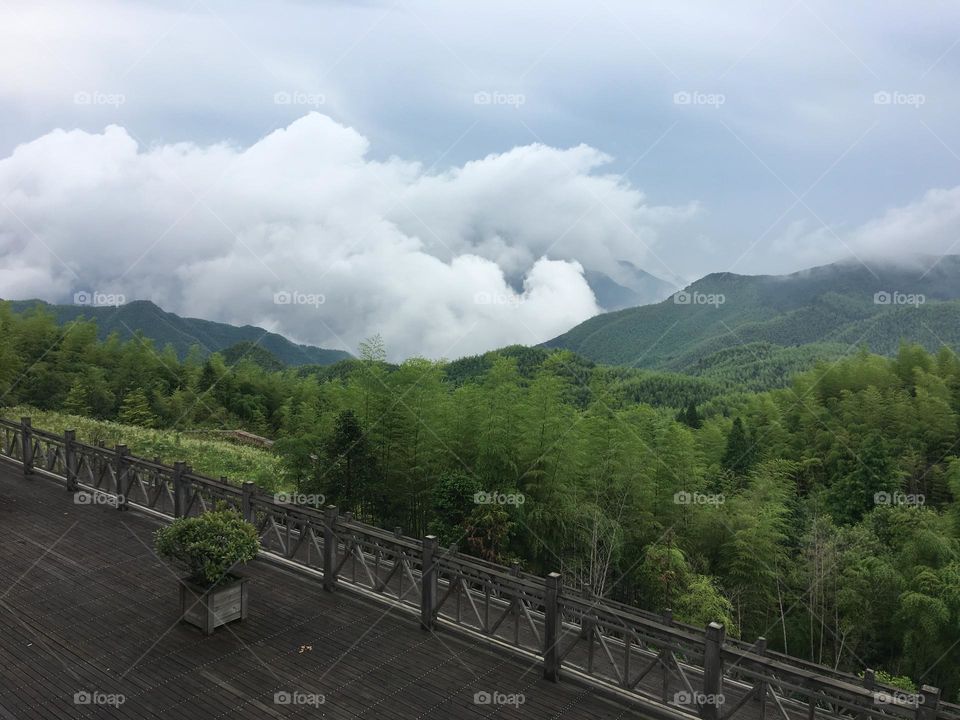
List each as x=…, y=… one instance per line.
x=822, y=516
x=182, y=334
x=815, y=314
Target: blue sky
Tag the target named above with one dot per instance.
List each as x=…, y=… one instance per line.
x=690, y=137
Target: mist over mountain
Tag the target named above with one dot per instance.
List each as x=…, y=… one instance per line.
x=632, y=287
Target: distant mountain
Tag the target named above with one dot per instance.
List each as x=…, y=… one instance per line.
x=726, y=322
x=182, y=333
x=631, y=288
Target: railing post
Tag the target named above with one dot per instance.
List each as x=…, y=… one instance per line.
x=927, y=702
x=761, y=696
x=428, y=582
x=246, y=501
x=665, y=657
x=70, y=458
x=329, y=548
x=121, y=470
x=712, y=672
x=869, y=682
x=178, y=500
x=551, y=628
x=26, y=445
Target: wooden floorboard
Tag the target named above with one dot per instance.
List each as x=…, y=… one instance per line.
x=85, y=606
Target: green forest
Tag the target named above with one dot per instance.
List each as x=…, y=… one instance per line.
x=822, y=515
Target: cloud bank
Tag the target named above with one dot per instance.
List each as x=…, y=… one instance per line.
x=305, y=234
x=928, y=226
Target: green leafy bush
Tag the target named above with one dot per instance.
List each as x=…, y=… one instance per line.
x=208, y=546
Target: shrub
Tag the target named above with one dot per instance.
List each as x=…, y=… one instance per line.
x=210, y=545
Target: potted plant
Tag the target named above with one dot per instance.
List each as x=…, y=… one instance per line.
x=209, y=547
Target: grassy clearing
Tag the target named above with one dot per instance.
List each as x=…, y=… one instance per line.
x=207, y=456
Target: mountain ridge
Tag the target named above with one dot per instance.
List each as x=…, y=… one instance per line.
x=183, y=333
x=845, y=303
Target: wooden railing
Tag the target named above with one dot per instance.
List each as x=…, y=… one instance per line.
x=684, y=670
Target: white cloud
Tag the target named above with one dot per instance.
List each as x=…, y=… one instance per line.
x=441, y=264
x=928, y=226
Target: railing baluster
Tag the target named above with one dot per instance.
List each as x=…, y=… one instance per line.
x=178, y=489
x=428, y=583
x=627, y=645
x=70, y=459
x=329, y=548
x=246, y=501
x=121, y=470
x=665, y=655
x=26, y=445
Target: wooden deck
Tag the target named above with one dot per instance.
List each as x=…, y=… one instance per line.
x=86, y=607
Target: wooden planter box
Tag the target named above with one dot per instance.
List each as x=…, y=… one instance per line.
x=209, y=608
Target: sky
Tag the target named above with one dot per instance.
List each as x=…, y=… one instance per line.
x=444, y=173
